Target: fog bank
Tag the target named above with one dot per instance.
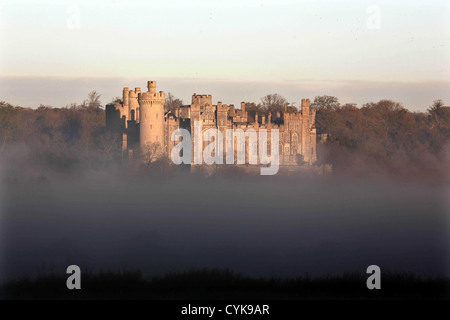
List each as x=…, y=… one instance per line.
x=259, y=226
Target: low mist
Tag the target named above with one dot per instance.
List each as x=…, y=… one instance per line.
x=68, y=197
x=260, y=226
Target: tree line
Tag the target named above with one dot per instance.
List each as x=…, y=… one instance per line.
x=59, y=138
x=377, y=138
x=384, y=138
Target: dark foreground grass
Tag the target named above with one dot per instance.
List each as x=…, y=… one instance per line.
x=225, y=284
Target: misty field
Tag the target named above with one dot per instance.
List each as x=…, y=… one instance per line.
x=271, y=227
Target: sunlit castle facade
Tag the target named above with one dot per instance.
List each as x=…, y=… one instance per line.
x=146, y=128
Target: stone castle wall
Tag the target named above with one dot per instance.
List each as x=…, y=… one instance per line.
x=146, y=127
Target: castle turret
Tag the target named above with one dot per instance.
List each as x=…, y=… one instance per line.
x=125, y=97
x=201, y=100
x=151, y=87
x=151, y=104
x=306, y=143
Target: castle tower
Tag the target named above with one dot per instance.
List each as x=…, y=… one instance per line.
x=125, y=96
x=151, y=107
x=133, y=105
x=306, y=125
x=199, y=103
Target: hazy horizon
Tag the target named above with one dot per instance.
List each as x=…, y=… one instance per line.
x=62, y=91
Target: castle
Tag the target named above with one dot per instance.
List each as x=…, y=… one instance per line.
x=145, y=126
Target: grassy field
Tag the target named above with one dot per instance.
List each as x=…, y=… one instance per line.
x=224, y=284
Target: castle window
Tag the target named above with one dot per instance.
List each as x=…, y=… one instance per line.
x=156, y=116
x=294, y=138
x=150, y=127
x=156, y=138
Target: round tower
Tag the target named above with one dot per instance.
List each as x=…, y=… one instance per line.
x=151, y=104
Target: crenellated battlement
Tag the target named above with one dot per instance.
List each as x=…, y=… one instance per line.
x=144, y=114
x=222, y=107
x=146, y=96
x=305, y=103
x=198, y=96
x=201, y=99
x=292, y=116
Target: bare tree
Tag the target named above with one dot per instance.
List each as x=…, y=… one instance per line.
x=109, y=143
x=273, y=103
x=439, y=115
x=93, y=101
x=151, y=152
x=172, y=103
x=326, y=103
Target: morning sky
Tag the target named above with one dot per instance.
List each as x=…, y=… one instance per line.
x=359, y=50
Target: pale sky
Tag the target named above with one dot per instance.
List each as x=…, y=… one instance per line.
x=283, y=42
